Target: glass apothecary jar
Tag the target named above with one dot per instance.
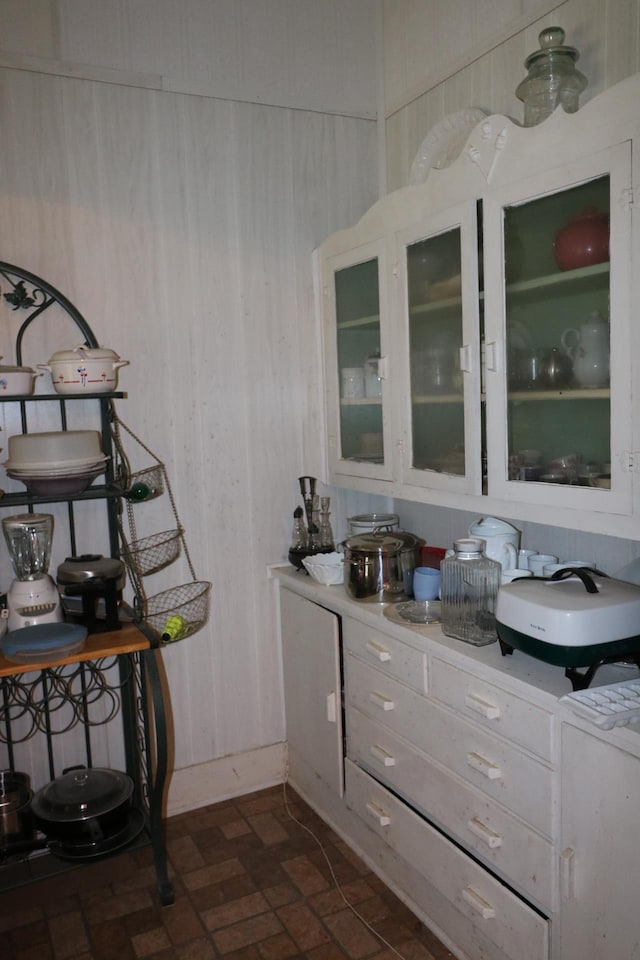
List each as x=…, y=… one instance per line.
x=468, y=589
x=552, y=79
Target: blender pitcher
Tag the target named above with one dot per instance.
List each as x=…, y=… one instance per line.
x=33, y=596
x=28, y=537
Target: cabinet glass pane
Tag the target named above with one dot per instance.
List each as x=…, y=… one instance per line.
x=557, y=337
x=358, y=319
x=435, y=338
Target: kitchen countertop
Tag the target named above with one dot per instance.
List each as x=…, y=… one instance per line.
x=549, y=680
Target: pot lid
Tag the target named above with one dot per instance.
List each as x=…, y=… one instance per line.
x=9, y=369
x=382, y=542
x=81, y=794
x=83, y=352
x=88, y=566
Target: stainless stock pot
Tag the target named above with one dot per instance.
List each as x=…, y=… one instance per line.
x=379, y=565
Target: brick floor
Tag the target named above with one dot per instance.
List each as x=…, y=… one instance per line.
x=250, y=884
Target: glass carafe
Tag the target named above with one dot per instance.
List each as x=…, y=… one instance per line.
x=28, y=537
x=469, y=583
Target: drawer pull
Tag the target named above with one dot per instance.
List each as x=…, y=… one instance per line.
x=567, y=873
x=381, y=701
x=484, y=833
x=381, y=755
x=332, y=715
x=478, y=903
x=378, y=651
x=487, y=710
x=488, y=769
x=383, y=819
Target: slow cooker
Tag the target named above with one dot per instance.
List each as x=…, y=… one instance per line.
x=576, y=618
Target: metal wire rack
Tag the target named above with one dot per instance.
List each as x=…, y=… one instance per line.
x=180, y=611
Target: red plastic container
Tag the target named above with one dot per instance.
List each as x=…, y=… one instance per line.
x=431, y=556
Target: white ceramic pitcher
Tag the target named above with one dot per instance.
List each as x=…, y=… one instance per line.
x=501, y=538
x=588, y=347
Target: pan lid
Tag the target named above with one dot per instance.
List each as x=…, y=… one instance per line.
x=383, y=543
x=82, y=793
x=89, y=566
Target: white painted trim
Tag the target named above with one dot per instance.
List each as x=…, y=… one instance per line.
x=226, y=777
x=431, y=80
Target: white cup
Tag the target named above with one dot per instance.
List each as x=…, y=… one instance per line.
x=550, y=568
x=523, y=558
x=353, y=383
x=538, y=561
x=507, y=576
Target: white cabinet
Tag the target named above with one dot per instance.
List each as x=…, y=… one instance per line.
x=600, y=858
x=312, y=685
x=506, y=368
x=507, y=824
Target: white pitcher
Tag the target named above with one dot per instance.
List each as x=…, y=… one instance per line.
x=501, y=538
x=588, y=347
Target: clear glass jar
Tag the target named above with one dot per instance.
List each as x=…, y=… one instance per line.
x=469, y=583
x=552, y=80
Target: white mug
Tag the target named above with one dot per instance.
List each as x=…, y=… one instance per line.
x=538, y=561
x=523, y=558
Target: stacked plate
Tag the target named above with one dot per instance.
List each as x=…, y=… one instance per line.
x=58, y=463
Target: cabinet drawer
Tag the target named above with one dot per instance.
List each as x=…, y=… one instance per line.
x=492, y=765
x=492, y=707
x=487, y=908
x=519, y=854
x=393, y=657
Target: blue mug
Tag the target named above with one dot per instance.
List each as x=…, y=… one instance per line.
x=426, y=583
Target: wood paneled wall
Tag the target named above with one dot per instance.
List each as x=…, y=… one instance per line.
x=182, y=226
x=473, y=56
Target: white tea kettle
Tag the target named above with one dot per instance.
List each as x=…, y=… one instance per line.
x=501, y=538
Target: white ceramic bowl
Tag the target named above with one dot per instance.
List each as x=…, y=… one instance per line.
x=55, y=447
x=325, y=568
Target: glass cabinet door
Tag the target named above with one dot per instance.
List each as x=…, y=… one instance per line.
x=358, y=434
x=440, y=288
x=562, y=366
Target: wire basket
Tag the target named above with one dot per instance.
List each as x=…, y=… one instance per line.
x=177, y=613
x=155, y=552
x=150, y=478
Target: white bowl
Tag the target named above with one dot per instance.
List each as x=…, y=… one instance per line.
x=56, y=468
x=55, y=447
x=325, y=568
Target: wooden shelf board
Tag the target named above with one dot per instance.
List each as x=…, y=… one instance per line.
x=127, y=640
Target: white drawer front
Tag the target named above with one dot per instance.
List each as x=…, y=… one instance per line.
x=492, y=707
x=523, y=857
x=493, y=766
x=393, y=657
x=485, y=904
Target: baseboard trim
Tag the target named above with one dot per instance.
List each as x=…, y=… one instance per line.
x=225, y=777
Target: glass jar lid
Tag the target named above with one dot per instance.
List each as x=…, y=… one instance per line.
x=468, y=547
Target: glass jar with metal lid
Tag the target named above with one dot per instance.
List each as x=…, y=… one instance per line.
x=552, y=80
x=469, y=583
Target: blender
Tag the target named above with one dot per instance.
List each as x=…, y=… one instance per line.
x=33, y=596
